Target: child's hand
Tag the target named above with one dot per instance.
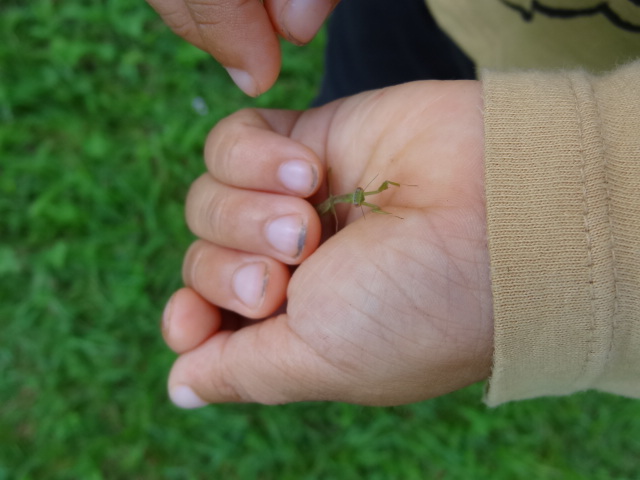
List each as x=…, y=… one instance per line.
x=387, y=311
x=243, y=36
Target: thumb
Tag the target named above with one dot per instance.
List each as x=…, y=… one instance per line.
x=264, y=363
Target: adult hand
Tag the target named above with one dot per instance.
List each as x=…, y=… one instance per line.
x=243, y=35
x=387, y=310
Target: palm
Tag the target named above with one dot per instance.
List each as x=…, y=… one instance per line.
x=388, y=289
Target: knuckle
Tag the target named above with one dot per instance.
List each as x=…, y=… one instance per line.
x=210, y=12
x=226, y=387
x=216, y=215
x=194, y=202
x=224, y=145
x=191, y=262
x=182, y=26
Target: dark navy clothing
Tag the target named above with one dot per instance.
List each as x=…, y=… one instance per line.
x=378, y=43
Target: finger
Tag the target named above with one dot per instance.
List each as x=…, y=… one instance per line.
x=251, y=149
x=238, y=33
x=265, y=363
x=188, y=320
x=177, y=17
x=299, y=20
x=283, y=227
x=253, y=286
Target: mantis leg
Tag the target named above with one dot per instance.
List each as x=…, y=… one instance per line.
x=382, y=187
x=377, y=209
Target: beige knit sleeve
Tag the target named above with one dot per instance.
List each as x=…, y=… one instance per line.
x=563, y=207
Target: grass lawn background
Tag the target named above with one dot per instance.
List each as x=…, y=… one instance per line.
x=103, y=114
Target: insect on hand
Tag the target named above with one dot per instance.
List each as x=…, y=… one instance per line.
x=356, y=198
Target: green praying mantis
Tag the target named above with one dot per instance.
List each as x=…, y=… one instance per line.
x=356, y=198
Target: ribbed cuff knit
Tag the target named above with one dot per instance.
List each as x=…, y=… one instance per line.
x=562, y=156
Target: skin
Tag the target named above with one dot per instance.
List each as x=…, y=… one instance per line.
x=384, y=312
x=243, y=35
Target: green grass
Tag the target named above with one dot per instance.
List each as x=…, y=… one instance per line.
x=99, y=141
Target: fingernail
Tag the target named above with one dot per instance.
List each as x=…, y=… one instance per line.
x=183, y=397
x=287, y=235
x=244, y=81
x=302, y=19
x=298, y=176
x=249, y=283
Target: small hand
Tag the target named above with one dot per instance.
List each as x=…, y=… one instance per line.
x=385, y=311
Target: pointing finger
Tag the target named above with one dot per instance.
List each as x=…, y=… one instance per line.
x=238, y=33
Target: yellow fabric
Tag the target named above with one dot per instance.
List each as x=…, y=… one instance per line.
x=563, y=205
x=543, y=34
x=562, y=166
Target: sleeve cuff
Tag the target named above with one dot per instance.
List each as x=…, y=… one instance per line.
x=562, y=174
